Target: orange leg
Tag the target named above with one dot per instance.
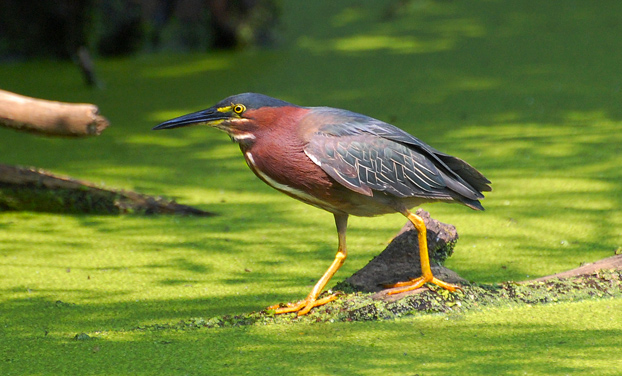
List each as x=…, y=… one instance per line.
x=304, y=306
x=426, y=271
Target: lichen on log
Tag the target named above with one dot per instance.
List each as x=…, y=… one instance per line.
x=30, y=189
x=602, y=279
x=474, y=297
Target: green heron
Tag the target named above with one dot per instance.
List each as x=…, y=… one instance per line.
x=345, y=163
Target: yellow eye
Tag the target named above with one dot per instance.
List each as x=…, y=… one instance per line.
x=239, y=108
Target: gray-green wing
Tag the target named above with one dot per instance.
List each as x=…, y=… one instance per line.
x=365, y=155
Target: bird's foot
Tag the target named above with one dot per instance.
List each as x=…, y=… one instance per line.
x=302, y=307
x=415, y=283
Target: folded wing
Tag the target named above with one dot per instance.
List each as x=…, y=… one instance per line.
x=366, y=155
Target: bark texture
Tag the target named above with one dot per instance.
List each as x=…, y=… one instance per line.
x=50, y=118
x=399, y=262
x=37, y=190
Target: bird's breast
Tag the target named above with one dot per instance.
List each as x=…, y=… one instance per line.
x=284, y=166
x=285, y=188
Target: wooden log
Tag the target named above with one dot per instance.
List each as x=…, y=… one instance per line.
x=37, y=190
x=610, y=263
x=400, y=262
x=50, y=118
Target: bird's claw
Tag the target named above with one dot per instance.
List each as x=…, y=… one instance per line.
x=302, y=307
x=416, y=283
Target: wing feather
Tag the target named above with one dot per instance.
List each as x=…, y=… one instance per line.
x=366, y=155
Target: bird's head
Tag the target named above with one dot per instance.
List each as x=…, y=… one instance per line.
x=241, y=116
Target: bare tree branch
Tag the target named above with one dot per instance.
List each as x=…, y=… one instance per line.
x=50, y=118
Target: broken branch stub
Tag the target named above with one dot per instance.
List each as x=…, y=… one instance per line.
x=50, y=118
x=400, y=262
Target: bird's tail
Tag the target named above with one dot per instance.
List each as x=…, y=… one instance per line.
x=469, y=190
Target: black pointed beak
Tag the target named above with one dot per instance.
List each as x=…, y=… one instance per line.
x=211, y=116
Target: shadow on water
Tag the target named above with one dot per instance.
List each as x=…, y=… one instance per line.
x=527, y=92
x=495, y=347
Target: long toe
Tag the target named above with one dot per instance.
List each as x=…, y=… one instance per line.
x=445, y=285
x=316, y=303
x=290, y=307
x=413, y=284
x=302, y=307
x=416, y=283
